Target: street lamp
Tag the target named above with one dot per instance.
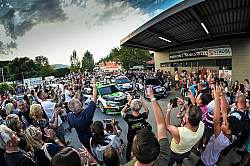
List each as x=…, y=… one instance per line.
x=2, y=73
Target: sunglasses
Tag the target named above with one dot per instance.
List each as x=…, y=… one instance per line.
x=19, y=99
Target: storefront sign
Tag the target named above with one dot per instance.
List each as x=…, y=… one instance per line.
x=220, y=52
x=188, y=55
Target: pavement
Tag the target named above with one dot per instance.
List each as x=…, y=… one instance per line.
x=232, y=157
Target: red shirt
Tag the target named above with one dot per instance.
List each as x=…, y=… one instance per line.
x=80, y=83
x=3, y=98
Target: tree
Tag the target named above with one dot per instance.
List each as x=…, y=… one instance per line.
x=4, y=87
x=88, y=61
x=20, y=68
x=113, y=54
x=61, y=72
x=133, y=57
x=42, y=60
x=74, y=62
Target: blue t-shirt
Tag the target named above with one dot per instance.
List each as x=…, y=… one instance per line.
x=82, y=121
x=192, y=89
x=52, y=149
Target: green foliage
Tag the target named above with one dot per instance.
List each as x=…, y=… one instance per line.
x=74, y=62
x=4, y=87
x=42, y=60
x=61, y=72
x=133, y=57
x=88, y=61
x=113, y=54
x=25, y=66
x=128, y=56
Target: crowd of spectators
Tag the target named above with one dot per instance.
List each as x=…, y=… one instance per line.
x=214, y=120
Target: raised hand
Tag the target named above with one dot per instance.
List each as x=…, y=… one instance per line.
x=150, y=92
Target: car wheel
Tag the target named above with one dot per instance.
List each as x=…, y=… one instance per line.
x=101, y=108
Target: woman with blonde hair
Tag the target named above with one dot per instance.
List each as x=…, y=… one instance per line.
x=43, y=151
x=9, y=108
x=37, y=113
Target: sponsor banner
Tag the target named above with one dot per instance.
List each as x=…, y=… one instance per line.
x=220, y=52
x=189, y=55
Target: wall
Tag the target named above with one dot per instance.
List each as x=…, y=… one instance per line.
x=241, y=59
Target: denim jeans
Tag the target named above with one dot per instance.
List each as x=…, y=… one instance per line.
x=183, y=93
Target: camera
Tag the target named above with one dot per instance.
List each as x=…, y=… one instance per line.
x=107, y=120
x=136, y=97
x=110, y=120
x=174, y=102
x=185, y=90
x=196, y=87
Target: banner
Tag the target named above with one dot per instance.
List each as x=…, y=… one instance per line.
x=188, y=55
x=220, y=52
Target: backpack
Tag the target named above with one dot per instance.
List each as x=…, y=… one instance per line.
x=243, y=136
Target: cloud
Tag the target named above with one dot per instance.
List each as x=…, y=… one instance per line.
x=55, y=28
x=19, y=17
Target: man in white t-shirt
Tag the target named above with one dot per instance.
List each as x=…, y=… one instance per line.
x=48, y=106
x=68, y=95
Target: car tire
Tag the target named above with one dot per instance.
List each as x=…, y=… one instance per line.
x=101, y=108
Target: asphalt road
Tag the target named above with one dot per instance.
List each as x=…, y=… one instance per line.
x=232, y=157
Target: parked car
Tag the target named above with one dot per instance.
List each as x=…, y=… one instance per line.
x=111, y=99
x=125, y=85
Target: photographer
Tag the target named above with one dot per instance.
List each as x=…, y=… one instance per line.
x=110, y=128
x=135, y=120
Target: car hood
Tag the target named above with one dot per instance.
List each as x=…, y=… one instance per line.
x=125, y=85
x=118, y=96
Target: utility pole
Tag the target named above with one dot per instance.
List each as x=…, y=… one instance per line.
x=23, y=78
x=2, y=73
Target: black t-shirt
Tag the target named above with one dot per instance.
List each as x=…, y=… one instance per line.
x=184, y=84
x=26, y=99
x=22, y=143
x=135, y=122
x=27, y=117
x=18, y=159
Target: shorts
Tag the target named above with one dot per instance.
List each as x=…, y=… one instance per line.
x=226, y=150
x=177, y=82
x=208, y=131
x=178, y=158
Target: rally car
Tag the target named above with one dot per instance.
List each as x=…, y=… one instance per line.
x=125, y=85
x=159, y=90
x=111, y=100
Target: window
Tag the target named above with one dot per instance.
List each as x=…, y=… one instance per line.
x=177, y=64
x=167, y=64
x=224, y=62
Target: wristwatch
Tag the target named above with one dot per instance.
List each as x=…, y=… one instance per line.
x=168, y=110
x=127, y=104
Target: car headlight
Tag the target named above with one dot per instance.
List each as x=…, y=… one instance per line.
x=158, y=89
x=111, y=104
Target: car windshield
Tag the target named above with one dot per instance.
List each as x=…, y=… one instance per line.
x=108, y=90
x=121, y=81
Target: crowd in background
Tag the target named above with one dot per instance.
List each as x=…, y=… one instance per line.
x=214, y=119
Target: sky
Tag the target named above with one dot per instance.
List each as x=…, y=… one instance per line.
x=54, y=28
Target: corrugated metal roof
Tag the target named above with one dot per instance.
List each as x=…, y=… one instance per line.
x=181, y=24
